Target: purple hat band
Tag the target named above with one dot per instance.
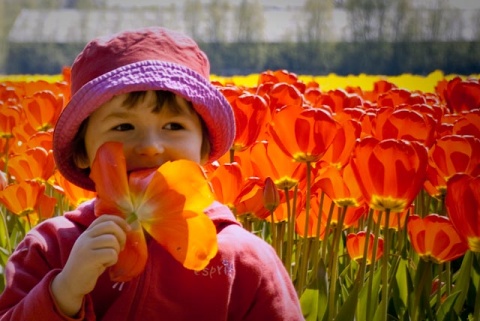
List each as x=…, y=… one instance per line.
x=143, y=75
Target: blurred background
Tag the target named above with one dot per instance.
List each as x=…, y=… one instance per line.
x=388, y=37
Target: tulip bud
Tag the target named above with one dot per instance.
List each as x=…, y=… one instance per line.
x=271, y=197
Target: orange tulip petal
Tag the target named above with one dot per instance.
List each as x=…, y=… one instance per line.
x=110, y=176
x=132, y=259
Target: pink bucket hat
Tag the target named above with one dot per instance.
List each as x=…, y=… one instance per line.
x=138, y=60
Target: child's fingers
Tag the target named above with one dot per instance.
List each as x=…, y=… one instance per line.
x=106, y=227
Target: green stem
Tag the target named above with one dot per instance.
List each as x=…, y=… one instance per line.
x=317, y=242
x=274, y=234
x=290, y=229
x=332, y=294
x=327, y=232
x=363, y=264
x=370, y=302
x=305, y=241
x=385, y=259
x=424, y=273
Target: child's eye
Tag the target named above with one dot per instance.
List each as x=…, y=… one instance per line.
x=123, y=127
x=173, y=126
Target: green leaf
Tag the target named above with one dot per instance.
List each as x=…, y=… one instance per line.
x=309, y=304
x=463, y=281
x=348, y=309
x=446, y=311
x=401, y=288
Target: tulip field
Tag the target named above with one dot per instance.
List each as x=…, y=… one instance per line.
x=367, y=187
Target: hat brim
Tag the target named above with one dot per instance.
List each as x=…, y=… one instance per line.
x=208, y=102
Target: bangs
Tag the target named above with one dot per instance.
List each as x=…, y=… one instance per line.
x=163, y=98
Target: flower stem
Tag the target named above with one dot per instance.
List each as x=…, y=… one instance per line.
x=332, y=294
x=385, y=259
x=306, y=240
x=372, y=303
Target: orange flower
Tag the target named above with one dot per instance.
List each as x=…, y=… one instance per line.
x=434, y=238
x=27, y=199
x=463, y=207
x=405, y=124
x=283, y=94
x=340, y=151
x=450, y=155
x=42, y=110
x=168, y=203
x=304, y=134
x=271, y=196
x=227, y=183
x=35, y=164
x=356, y=246
x=9, y=118
x=468, y=124
x=268, y=160
x=75, y=195
x=340, y=185
x=251, y=113
x=462, y=95
x=390, y=172
x=398, y=96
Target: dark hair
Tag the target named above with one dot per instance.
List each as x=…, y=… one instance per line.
x=163, y=98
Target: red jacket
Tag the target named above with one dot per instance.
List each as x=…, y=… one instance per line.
x=245, y=281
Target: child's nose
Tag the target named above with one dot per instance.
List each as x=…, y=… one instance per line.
x=150, y=144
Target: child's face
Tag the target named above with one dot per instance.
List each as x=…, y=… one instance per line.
x=149, y=138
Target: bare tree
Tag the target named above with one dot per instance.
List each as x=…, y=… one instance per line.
x=249, y=21
x=367, y=19
x=217, y=12
x=192, y=16
x=317, y=21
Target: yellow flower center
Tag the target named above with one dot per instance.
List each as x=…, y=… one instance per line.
x=382, y=203
x=474, y=244
x=305, y=157
x=285, y=183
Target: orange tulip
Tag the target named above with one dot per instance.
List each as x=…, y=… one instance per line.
x=35, y=164
x=75, y=195
x=281, y=76
x=250, y=199
x=340, y=185
x=168, y=203
x=9, y=118
x=271, y=196
x=450, y=155
x=398, y=96
x=340, y=151
x=462, y=95
x=463, y=207
x=251, y=113
x=268, y=160
x=283, y=94
x=227, y=182
x=468, y=124
x=42, y=110
x=356, y=246
x=304, y=134
x=27, y=200
x=390, y=172
x=338, y=100
x=405, y=124
x=434, y=238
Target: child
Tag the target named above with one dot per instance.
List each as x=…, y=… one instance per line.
x=148, y=89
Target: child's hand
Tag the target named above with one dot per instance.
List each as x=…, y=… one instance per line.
x=94, y=251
